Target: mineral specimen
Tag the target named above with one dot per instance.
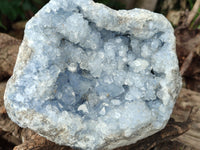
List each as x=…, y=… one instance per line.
x=91, y=77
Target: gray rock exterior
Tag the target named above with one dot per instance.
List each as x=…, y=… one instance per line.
x=91, y=77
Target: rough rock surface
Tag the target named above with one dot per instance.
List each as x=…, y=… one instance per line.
x=91, y=77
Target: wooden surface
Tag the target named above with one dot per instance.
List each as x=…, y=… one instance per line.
x=186, y=100
x=8, y=53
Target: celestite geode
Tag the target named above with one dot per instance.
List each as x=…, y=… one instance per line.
x=91, y=77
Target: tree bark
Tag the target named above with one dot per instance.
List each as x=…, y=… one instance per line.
x=8, y=53
x=186, y=100
x=37, y=142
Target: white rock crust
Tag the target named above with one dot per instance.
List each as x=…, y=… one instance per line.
x=91, y=77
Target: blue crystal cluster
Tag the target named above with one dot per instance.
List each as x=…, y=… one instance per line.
x=91, y=77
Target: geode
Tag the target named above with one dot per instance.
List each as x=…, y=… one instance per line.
x=91, y=77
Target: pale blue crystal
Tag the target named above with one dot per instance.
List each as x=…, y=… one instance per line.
x=91, y=77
